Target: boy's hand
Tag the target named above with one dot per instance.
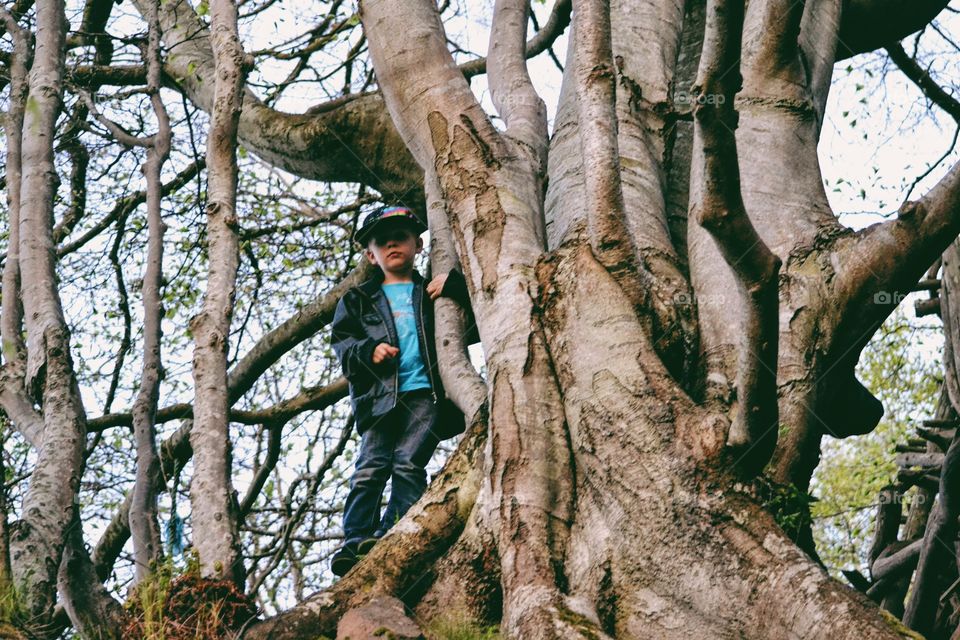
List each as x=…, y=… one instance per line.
x=383, y=352
x=436, y=286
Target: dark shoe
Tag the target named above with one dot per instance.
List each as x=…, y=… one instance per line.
x=344, y=559
x=366, y=545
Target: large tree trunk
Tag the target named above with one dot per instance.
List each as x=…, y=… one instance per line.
x=613, y=496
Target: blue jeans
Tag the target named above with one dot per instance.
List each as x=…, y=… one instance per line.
x=397, y=446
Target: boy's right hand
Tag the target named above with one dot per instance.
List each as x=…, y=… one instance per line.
x=384, y=352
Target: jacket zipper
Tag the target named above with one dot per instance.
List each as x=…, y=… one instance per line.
x=426, y=348
x=396, y=371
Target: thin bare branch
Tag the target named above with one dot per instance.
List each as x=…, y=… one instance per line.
x=921, y=77
x=144, y=526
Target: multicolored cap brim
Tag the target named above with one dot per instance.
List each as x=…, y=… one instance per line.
x=389, y=215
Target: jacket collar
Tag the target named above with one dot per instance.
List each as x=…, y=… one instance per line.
x=372, y=286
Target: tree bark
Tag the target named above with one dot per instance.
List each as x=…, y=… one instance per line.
x=551, y=495
x=211, y=490
x=48, y=507
x=144, y=525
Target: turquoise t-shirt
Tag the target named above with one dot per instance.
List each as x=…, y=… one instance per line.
x=413, y=373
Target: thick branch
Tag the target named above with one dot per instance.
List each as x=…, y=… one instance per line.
x=308, y=399
x=12, y=393
x=610, y=239
x=885, y=259
x=122, y=75
x=49, y=503
x=721, y=212
x=778, y=42
x=510, y=87
x=211, y=493
x=460, y=380
x=354, y=143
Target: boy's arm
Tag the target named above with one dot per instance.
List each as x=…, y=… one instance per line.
x=351, y=344
x=455, y=288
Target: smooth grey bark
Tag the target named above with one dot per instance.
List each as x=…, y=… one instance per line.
x=720, y=210
x=211, y=489
x=13, y=397
x=460, y=380
x=48, y=507
x=144, y=525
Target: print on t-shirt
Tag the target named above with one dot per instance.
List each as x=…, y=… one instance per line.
x=412, y=373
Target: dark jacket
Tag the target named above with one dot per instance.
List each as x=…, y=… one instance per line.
x=362, y=321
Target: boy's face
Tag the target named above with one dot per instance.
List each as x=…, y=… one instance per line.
x=393, y=249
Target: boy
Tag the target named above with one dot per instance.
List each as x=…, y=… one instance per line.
x=383, y=335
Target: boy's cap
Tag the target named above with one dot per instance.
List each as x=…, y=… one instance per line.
x=387, y=216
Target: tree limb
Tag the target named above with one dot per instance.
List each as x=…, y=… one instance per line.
x=309, y=399
x=880, y=264
x=212, y=504
x=720, y=210
x=48, y=506
x=353, y=143
x=144, y=525
x=513, y=93
x=555, y=25
x=18, y=407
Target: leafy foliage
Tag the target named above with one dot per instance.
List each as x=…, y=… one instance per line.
x=902, y=368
